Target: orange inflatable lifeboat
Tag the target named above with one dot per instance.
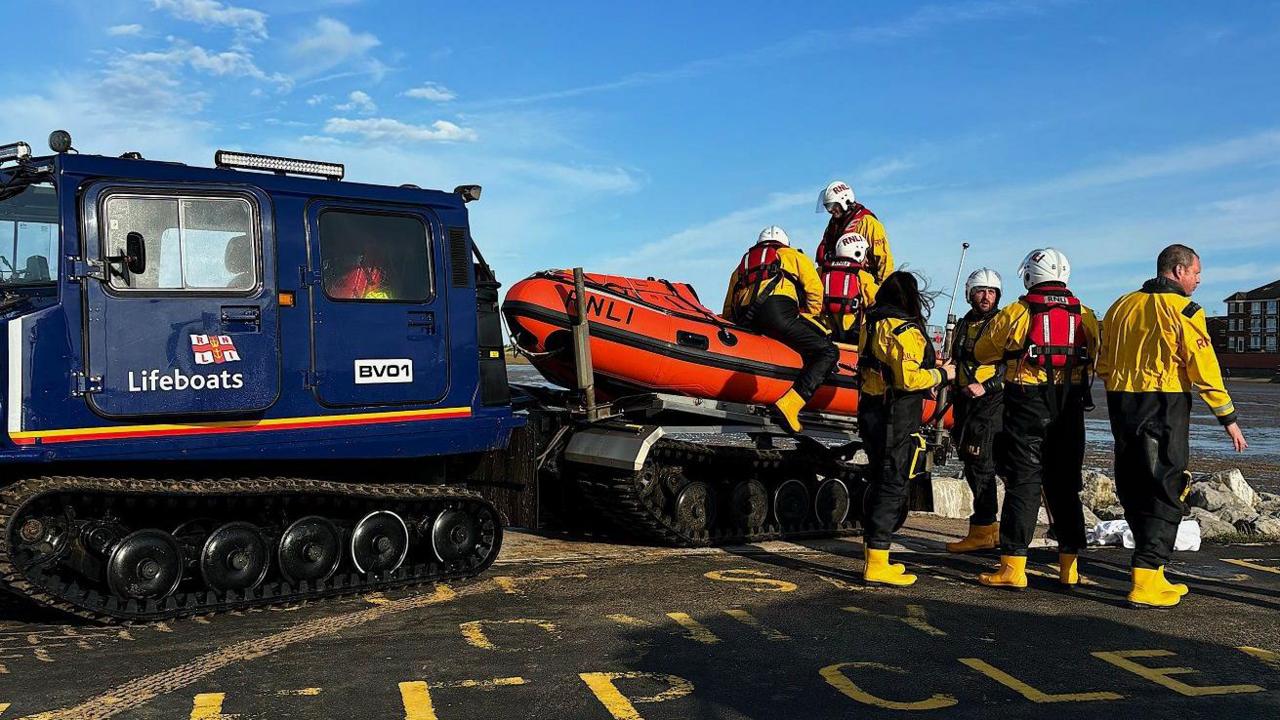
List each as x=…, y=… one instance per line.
x=656, y=336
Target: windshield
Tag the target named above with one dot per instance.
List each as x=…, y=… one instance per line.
x=29, y=237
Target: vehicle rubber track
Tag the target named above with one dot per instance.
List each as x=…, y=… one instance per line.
x=646, y=503
x=56, y=586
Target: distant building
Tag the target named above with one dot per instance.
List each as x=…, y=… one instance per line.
x=1218, y=325
x=1252, y=335
x=1252, y=319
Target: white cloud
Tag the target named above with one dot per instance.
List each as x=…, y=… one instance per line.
x=924, y=20
x=119, y=30
x=249, y=23
x=358, y=101
x=390, y=129
x=434, y=92
x=928, y=18
x=329, y=43
x=316, y=99
x=229, y=63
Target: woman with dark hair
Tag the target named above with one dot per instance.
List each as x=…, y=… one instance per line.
x=896, y=363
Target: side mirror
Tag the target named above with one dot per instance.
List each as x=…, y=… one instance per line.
x=135, y=249
x=134, y=259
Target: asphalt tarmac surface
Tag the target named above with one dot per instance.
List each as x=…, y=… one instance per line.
x=571, y=629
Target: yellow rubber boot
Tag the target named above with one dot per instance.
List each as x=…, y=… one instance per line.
x=1148, y=590
x=1179, y=588
x=1012, y=573
x=898, y=568
x=789, y=407
x=980, y=537
x=880, y=570
x=1069, y=569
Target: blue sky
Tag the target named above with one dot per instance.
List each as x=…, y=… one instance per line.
x=658, y=138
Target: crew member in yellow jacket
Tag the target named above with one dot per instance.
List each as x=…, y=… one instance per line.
x=897, y=366
x=848, y=216
x=1155, y=351
x=776, y=290
x=979, y=410
x=1047, y=341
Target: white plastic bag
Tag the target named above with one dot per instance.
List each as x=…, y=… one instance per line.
x=1117, y=532
x=1111, y=532
x=1188, y=539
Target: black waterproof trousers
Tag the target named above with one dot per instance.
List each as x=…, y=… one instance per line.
x=1042, y=448
x=886, y=426
x=1151, y=431
x=978, y=421
x=778, y=317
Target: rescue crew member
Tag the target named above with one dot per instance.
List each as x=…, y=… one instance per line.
x=1046, y=340
x=776, y=290
x=897, y=368
x=366, y=280
x=850, y=216
x=1155, y=350
x=848, y=290
x=979, y=405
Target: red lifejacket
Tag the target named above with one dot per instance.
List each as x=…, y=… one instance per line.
x=760, y=263
x=1055, y=335
x=837, y=227
x=841, y=290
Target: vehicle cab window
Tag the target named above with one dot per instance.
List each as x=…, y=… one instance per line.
x=191, y=243
x=29, y=237
x=375, y=257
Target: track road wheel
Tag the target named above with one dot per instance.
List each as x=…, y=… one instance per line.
x=831, y=502
x=459, y=537
x=695, y=508
x=379, y=542
x=146, y=564
x=791, y=504
x=749, y=506
x=234, y=557
x=310, y=549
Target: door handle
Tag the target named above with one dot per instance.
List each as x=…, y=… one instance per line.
x=423, y=321
x=241, y=317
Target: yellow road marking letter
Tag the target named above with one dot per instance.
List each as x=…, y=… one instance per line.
x=1161, y=676
x=754, y=579
x=835, y=677
x=1030, y=693
x=603, y=686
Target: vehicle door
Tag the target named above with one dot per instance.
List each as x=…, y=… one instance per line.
x=378, y=316
x=183, y=318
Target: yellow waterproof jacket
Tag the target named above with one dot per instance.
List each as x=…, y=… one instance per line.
x=968, y=369
x=895, y=354
x=1007, y=333
x=867, y=289
x=800, y=282
x=1155, y=340
x=866, y=224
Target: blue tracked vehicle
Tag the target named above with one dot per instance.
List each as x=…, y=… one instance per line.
x=256, y=383
x=239, y=385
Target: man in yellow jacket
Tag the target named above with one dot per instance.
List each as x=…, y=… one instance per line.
x=979, y=410
x=776, y=290
x=1156, y=350
x=848, y=216
x=1047, y=341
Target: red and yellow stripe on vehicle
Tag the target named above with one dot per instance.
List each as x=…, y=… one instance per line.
x=129, y=432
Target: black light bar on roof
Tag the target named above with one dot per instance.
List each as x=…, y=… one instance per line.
x=279, y=165
x=15, y=151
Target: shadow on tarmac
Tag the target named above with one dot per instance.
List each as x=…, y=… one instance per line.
x=894, y=650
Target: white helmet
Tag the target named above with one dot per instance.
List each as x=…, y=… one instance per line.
x=852, y=246
x=773, y=233
x=838, y=191
x=1044, y=265
x=982, y=278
